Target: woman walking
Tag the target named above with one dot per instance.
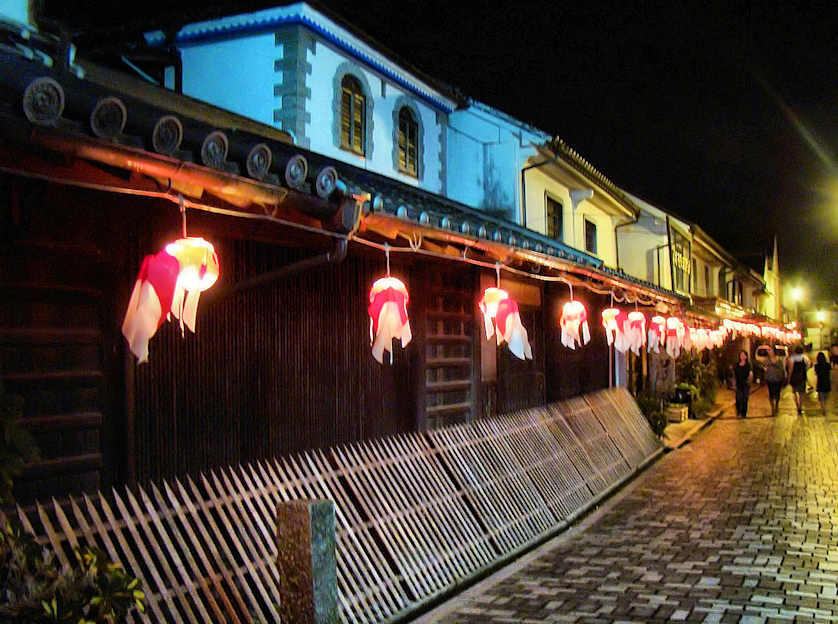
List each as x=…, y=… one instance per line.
x=775, y=377
x=822, y=370
x=796, y=366
x=743, y=373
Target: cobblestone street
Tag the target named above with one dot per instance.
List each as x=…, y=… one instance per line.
x=739, y=525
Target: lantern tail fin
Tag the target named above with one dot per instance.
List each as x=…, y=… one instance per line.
x=389, y=327
x=142, y=319
x=185, y=307
x=586, y=333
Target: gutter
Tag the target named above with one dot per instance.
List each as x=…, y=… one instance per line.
x=524, y=185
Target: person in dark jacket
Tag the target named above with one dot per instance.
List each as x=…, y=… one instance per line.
x=822, y=371
x=796, y=366
x=775, y=377
x=743, y=374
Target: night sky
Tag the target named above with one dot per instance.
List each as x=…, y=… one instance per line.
x=727, y=117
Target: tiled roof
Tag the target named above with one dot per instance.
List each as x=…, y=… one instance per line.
x=388, y=196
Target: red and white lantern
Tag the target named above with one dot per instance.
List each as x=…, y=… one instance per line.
x=635, y=331
x=657, y=333
x=609, y=323
x=674, y=336
x=388, y=316
x=574, y=324
x=502, y=319
x=169, y=283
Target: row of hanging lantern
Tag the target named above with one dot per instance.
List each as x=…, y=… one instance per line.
x=170, y=282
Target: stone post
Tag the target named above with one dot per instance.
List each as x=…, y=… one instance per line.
x=305, y=544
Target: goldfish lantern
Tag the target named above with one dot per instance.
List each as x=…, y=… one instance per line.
x=657, y=333
x=609, y=322
x=501, y=318
x=613, y=320
x=388, y=316
x=674, y=336
x=702, y=339
x=635, y=331
x=169, y=283
x=574, y=324
x=687, y=340
x=198, y=271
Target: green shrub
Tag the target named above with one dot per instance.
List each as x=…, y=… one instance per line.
x=16, y=444
x=36, y=589
x=700, y=379
x=653, y=408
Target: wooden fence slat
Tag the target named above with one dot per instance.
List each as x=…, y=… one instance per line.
x=188, y=536
x=260, y=576
x=159, y=588
x=220, y=548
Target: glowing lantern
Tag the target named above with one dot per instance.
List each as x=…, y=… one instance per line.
x=169, y=282
x=635, y=331
x=501, y=318
x=702, y=340
x=609, y=322
x=388, y=316
x=674, y=335
x=657, y=333
x=574, y=324
x=151, y=301
x=198, y=271
x=687, y=338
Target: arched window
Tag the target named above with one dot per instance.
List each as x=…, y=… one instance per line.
x=353, y=115
x=408, y=142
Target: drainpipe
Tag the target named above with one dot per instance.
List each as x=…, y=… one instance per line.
x=335, y=256
x=669, y=244
x=524, y=185
x=617, y=237
x=576, y=198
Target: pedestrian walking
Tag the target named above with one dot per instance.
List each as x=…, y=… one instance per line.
x=775, y=377
x=743, y=375
x=822, y=371
x=796, y=367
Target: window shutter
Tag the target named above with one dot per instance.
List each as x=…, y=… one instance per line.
x=358, y=123
x=345, y=119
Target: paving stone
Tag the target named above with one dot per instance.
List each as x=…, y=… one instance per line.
x=737, y=526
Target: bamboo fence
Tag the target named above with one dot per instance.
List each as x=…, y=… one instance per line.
x=415, y=513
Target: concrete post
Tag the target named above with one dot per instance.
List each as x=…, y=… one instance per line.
x=305, y=544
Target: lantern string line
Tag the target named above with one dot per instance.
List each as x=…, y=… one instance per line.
x=497, y=273
x=182, y=213
x=387, y=254
x=415, y=240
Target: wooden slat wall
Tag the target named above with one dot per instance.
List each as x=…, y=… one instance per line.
x=416, y=513
x=54, y=337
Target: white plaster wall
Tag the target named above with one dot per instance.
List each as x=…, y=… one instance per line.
x=485, y=156
x=573, y=225
x=235, y=74
x=325, y=63
x=16, y=10
x=637, y=251
x=537, y=184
